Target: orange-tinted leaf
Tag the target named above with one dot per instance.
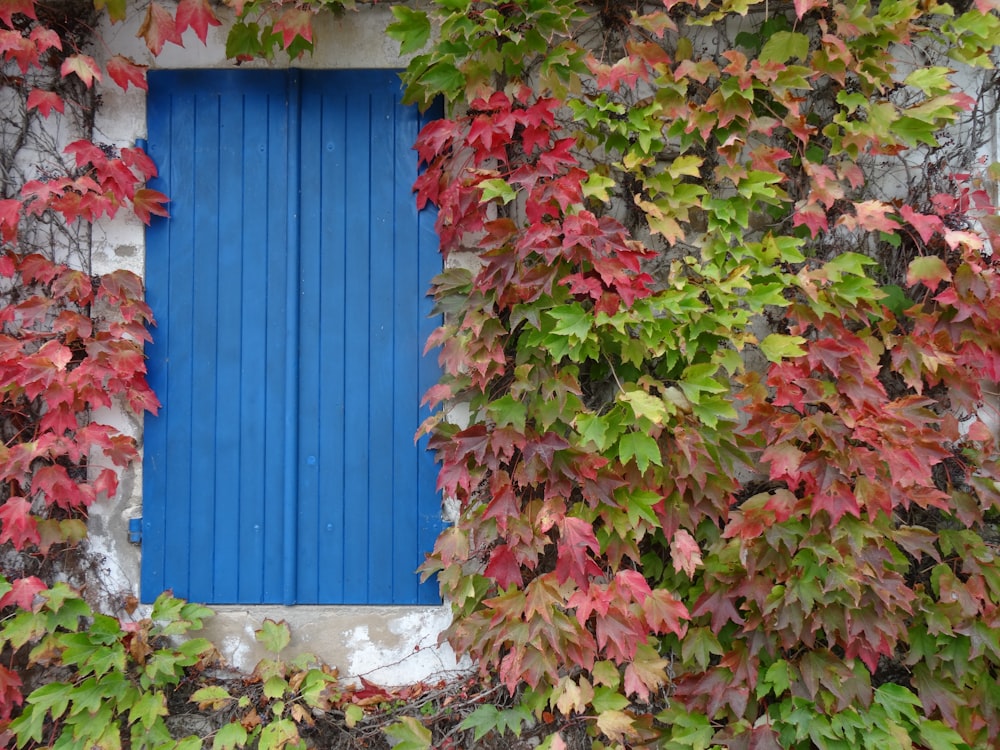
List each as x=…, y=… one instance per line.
x=197, y=15
x=925, y=224
x=123, y=71
x=148, y=201
x=294, y=22
x=811, y=215
x=83, y=66
x=929, y=270
x=684, y=552
x=158, y=28
x=871, y=215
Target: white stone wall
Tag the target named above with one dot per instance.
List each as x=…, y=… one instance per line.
x=388, y=645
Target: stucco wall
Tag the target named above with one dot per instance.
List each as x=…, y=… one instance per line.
x=388, y=645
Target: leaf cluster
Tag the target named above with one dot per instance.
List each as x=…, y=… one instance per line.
x=728, y=457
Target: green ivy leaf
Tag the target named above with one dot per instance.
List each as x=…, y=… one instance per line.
x=211, y=696
x=939, y=736
x=353, y=715
x=507, y=410
x=412, y=28
x=443, y=77
x=116, y=9
x=28, y=726
x=275, y=687
x=783, y=46
x=496, y=188
x=409, y=734
x=779, y=346
x=278, y=734
x=483, y=720
x=148, y=708
x=640, y=447
x=608, y=699
x=274, y=636
x=898, y=702
x=645, y=405
x=607, y=674
x=24, y=626
x=54, y=698
x=597, y=186
x=243, y=41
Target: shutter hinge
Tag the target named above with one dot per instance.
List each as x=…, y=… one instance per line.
x=135, y=530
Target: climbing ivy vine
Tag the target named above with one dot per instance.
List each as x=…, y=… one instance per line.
x=728, y=474
x=720, y=347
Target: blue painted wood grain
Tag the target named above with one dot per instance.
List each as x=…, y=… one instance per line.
x=289, y=285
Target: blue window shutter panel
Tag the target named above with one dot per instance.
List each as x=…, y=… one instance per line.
x=289, y=285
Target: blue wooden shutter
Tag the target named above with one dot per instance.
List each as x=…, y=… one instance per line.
x=289, y=288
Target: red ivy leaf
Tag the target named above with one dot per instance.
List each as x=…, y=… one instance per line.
x=147, y=201
x=804, y=6
x=9, y=7
x=197, y=15
x=294, y=22
x=158, y=28
x=870, y=215
x=811, y=215
x=45, y=39
x=16, y=47
x=137, y=159
x=10, y=689
x=664, y=613
x=22, y=594
x=577, y=537
x=926, y=225
x=10, y=215
x=685, y=552
x=17, y=525
x=123, y=71
x=503, y=568
x=45, y=102
x=83, y=66
x=86, y=152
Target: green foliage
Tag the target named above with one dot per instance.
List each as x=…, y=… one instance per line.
x=724, y=480
x=114, y=677
x=723, y=328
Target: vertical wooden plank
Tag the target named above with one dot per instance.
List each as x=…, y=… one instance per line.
x=333, y=360
x=407, y=346
x=248, y=137
x=382, y=270
x=357, y=454
x=278, y=343
x=158, y=289
x=428, y=373
x=170, y=284
x=261, y=195
x=310, y=385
